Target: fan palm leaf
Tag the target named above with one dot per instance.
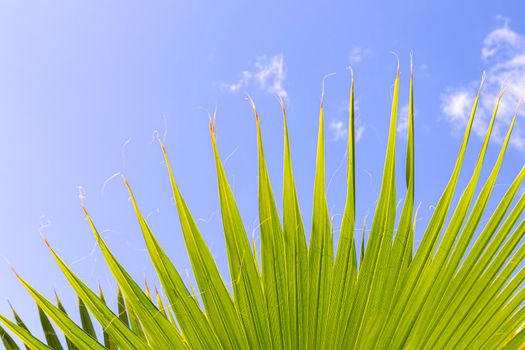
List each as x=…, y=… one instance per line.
x=456, y=289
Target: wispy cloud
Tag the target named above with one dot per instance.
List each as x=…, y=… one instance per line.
x=357, y=54
x=268, y=74
x=503, y=55
x=340, y=130
x=402, y=120
x=339, y=125
x=359, y=131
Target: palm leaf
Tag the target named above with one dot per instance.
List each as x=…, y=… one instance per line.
x=8, y=342
x=29, y=340
x=78, y=336
x=296, y=251
x=345, y=267
x=160, y=333
x=108, y=342
x=49, y=332
x=460, y=288
x=192, y=320
x=246, y=282
x=118, y=331
x=216, y=298
x=320, y=255
x=273, y=254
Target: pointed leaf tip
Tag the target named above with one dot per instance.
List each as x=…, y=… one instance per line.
x=281, y=102
x=323, y=85
x=518, y=106
x=252, y=103
x=411, y=64
x=351, y=70
x=483, y=78
x=398, y=64
x=503, y=91
x=212, y=128
x=212, y=122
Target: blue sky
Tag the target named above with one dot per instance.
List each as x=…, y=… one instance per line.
x=85, y=87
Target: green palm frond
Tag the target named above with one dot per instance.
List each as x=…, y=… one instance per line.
x=460, y=288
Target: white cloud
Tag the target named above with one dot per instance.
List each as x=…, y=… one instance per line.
x=501, y=39
x=359, y=132
x=339, y=127
x=268, y=74
x=402, y=119
x=238, y=85
x=340, y=130
x=458, y=103
x=358, y=54
x=503, y=55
